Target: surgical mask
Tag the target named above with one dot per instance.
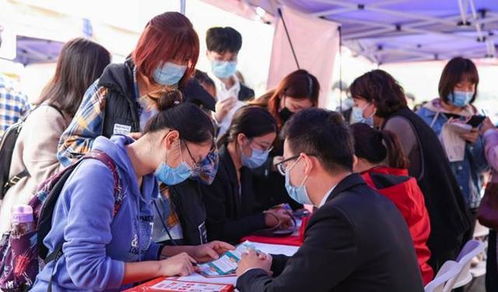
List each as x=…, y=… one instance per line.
x=460, y=98
x=223, y=69
x=173, y=175
x=298, y=194
x=357, y=116
x=169, y=74
x=257, y=158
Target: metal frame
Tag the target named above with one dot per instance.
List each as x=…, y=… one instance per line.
x=415, y=24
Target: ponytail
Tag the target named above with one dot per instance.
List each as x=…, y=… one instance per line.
x=378, y=146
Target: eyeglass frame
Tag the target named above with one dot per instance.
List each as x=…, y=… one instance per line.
x=280, y=164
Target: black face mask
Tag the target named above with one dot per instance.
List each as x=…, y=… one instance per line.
x=285, y=114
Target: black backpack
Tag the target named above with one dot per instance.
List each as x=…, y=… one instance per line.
x=7, y=145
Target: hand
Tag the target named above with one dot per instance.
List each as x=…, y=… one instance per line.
x=178, y=265
x=135, y=135
x=223, y=107
x=486, y=125
x=252, y=259
x=471, y=136
x=210, y=251
x=278, y=217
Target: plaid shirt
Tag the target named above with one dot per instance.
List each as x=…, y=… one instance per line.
x=13, y=104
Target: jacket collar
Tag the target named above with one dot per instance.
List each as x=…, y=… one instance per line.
x=347, y=183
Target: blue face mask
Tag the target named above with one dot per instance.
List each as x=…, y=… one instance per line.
x=460, y=98
x=223, y=69
x=169, y=73
x=257, y=158
x=357, y=117
x=298, y=194
x=173, y=176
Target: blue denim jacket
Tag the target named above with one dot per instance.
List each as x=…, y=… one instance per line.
x=467, y=171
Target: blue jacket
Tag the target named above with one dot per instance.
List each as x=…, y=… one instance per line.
x=97, y=245
x=467, y=172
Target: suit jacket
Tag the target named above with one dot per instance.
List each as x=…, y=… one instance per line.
x=357, y=241
x=229, y=206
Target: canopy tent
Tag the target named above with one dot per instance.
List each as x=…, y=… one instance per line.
x=387, y=31
x=33, y=50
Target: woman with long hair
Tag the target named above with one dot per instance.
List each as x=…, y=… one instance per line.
x=380, y=101
x=34, y=158
x=297, y=91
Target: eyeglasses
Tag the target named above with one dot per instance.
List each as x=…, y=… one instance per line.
x=283, y=166
x=197, y=164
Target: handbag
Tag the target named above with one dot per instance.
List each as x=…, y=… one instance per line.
x=487, y=214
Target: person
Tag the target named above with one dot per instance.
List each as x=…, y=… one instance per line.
x=124, y=98
x=103, y=251
x=14, y=104
x=206, y=82
x=297, y=91
x=35, y=154
x=382, y=164
x=223, y=46
x=490, y=135
x=380, y=101
x=229, y=199
x=458, y=90
x=356, y=240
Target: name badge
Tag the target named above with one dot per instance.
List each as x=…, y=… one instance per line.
x=121, y=129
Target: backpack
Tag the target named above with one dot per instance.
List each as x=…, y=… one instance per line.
x=22, y=258
x=7, y=145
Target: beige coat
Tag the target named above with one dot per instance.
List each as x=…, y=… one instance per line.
x=36, y=151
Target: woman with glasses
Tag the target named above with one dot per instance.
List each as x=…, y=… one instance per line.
x=105, y=238
x=229, y=199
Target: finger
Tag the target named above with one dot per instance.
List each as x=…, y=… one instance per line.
x=191, y=259
x=212, y=253
x=223, y=245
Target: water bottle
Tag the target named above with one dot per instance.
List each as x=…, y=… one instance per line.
x=22, y=220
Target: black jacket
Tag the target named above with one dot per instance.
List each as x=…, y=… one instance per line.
x=357, y=241
x=122, y=106
x=450, y=221
x=230, y=213
x=245, y=93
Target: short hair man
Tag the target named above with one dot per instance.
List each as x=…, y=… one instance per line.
x=356, y=241
x=223, y=46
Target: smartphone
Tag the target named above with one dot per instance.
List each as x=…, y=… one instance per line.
x=476, y=120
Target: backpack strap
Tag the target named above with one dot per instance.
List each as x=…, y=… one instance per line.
x=118, y=200
x=14, y=180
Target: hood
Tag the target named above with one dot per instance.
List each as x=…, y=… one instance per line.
x=115, y=148
x=435, y=106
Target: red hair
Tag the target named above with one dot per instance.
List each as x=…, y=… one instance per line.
x=299, y=85
x=167, y=37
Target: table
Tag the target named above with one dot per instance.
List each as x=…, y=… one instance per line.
x=288, y=250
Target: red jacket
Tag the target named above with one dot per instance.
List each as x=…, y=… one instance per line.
x=405, y=193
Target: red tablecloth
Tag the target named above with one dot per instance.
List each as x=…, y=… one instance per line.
x=295, y=240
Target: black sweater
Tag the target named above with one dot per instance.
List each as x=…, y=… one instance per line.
x=230, y=213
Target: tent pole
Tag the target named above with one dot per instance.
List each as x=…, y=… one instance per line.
x=182, y=6
x=288, y=37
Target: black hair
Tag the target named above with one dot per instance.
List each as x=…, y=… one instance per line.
x=381, y=89
x=193, y=124
x=321, y=133
x=375, y=146
x=223, y=39
x=456, y=70
x=80, y=63
x=252, y=121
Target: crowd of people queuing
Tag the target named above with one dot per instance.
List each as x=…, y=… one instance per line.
x=202, y=163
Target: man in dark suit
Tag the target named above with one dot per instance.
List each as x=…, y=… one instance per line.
x=356, y=241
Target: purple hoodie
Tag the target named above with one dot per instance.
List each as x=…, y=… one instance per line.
x=96, y=244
